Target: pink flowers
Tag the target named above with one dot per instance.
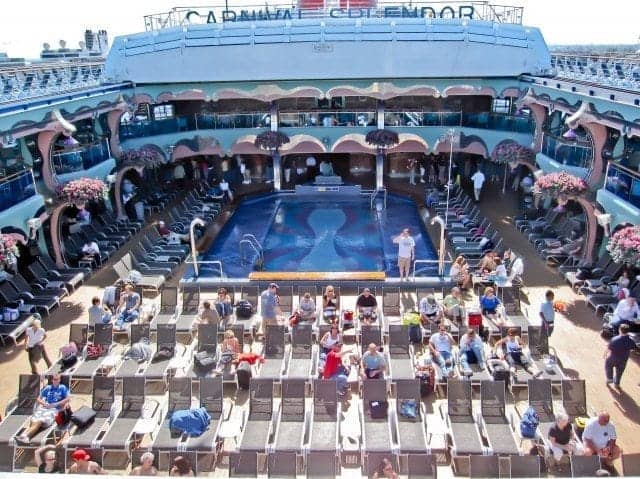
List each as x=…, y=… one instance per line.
x=510, y=151
x=83, y=190
x=624, y=246
x=560, y=183
x=8, y=250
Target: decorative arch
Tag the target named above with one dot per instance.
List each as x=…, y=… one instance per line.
x=198, y=145
x=352, y=143
x=410, y=143
x=191, y=94
x=56, y=244
x=470, y=144
x=512, y=91
x=140, y=98
x=382, y=91
x=303, y=144
x=118, y=188
x=245, y=146
x=267, y=93
x=592, y=226
x=461, y=90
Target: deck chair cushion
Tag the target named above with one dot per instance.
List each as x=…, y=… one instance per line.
x=378, y=409
x=83, y=417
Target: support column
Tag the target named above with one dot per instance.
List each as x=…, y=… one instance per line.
x=45, y=141
x=598, y=134
x=592, y=227
x=379, y=169
x=113, y=120
x=56, y=238
x=380, y=114
x=277, y=171
x=539, y=113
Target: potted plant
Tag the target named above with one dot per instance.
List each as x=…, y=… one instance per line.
x=624, y=246
x=512, y=153
x=272, y=141
x=562, y=183
x=82, y=190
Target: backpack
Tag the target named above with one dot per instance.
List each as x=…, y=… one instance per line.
x=529, y=423
x=9, y=314
x=378, y=409
x=244, y=309
x=203, y=361
x=162, y=354
x=94, y=351
x=408, y=408
x=499, y=373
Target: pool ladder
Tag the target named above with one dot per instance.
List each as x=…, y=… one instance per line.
x=374, y=196
x=250, y=243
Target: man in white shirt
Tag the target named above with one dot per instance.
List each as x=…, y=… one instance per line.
x=599, y=437
x=626, y=312
x=91, y=250
x=406, y=253
x=35, y=345
x=430, y=310
x=478, y=179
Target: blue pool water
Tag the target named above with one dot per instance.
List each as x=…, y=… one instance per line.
x=317, y=234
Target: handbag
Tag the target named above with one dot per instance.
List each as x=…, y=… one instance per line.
x=94, y=351
x=63, y=417
x=83, y=416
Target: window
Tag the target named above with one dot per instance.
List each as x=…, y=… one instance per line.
x=501, y=105
x=162, y=112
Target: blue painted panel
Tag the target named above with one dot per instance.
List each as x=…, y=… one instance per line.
x=235, y=41
x=620, y=210
x=551, y=166
x=446, y=37
x=511, y=31
x=201, y=42
x=438, y=28
x=160, y=47
x=235, y=32
x=377, y=28
x=305, y=29
x=337, y=37
x=268, y=31
x=340, y=29
x=472, y=37
x=139, y=50
x=481, y=29
x=378, y=37
x=205, y=33
x=272, y=39
x=411, y=37
x=310, y=37
x=512, y=42
x=138, y=41
x=411, y=28
x=168, y=36
x=18, y=215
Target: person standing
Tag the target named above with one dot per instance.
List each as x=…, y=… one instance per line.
x=406, y=252
x=411, y=166
x=617, y=355
x=547, y=313
x=269, y=305
x=478, y=179
x=35, y=345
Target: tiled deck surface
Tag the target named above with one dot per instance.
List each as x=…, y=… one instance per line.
x=576, y=337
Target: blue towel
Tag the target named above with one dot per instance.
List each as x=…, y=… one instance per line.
x=191, y=421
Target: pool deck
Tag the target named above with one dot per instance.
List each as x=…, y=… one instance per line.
x=576, y=337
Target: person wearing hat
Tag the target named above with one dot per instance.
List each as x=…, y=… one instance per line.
x=430, y=310
x=82, y=464
x=270, y=305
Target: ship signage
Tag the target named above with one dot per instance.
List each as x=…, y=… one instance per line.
x=266, y=14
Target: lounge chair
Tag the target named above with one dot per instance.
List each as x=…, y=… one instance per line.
x=510, y=298
x=464, y=434
x=525, y=466
x=574, y=398
x=611, y=271
x=130, y=366
x=257, y=430
x=18, y=412
x=189, y=312
x=153, y=282
x=544, y=356
x=211, y=398
x=301, y=362
x=411, y=432
x=12, y=330
x=631, y=464
x=422, y=466
x=88, y=368
x=599, y=269
x=50, y=267
x=604, y=302
x=372, y=461
x=207, y=341
x=400, y=353
x=41, y=289
x=391, y=307
x=72, y=281
x=584, y=466
x=323, y=454
x=103, y=400
x=484, y=466
x=541, y=399
x=130, y=261
x=25, y=302
x=179, y=398
x=285, y=295
x=498, y=428
x=275, y=363
x=158, y=370
x=134, y=406
x=290, y=430
x=376, y=433
x=168, y=307
x=78, y=334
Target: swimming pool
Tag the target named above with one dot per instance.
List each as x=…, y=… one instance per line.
x=317, y=233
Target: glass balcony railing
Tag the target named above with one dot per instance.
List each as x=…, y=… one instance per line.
x=485, y=120
x=327, y=118
x=567, y=152
x=200, y=121
x=624, y=183
x=15, y=189
x=496, y=121
x=80, y=158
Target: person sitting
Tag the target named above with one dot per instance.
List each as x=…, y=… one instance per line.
x=330, y=304
x=82, y=464
x=441, y=346
x=330, y=338
x=171, y=236
x=487, y=263
x=326, y=168
x=501, y=270
x=146, y=467
x=163, y=229
x=489, y=304
x=98, y=314
x=562, y=439
x=599, y=438
x=471, y=351
x=459, y=273
x=129, y=307
x=510, y=348
x=569, y=249
x=47, y=460
x=53, y=398
x=223, y=304
x=430, y=311
x=181, y=467
x=432, y=198
x=208, y=315
x=307, y=308
x=385, y=469
x=334, y=369
x=453, y=305
x=372, y=364
x=91, y=252
x=229, y=349
x=627, y=312
x=366, y=306
x=425, y=372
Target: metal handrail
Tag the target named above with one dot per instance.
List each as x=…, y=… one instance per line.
x=374, y=195
x=426, y=261
x=214, y=262
x=250, y=243
x=255, y=242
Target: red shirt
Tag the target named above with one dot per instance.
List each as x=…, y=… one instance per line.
x=331, y=365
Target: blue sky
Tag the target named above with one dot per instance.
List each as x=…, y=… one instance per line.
x=25, y=25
